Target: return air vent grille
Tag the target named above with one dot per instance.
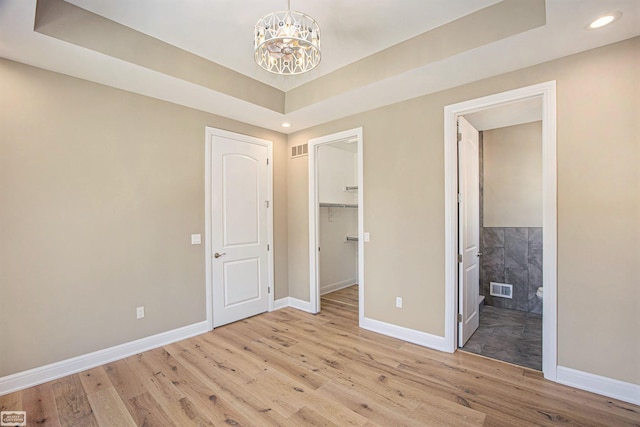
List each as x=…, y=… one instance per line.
x=501, y=290
x=299, y=150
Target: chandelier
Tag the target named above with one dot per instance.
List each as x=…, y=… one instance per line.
x=287, y=42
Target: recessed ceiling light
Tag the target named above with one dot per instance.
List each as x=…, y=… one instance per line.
x=286, y=125
x=604, y=20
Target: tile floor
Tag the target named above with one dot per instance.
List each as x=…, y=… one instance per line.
x=508, y=335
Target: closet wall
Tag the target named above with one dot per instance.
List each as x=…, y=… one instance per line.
x=338, y=217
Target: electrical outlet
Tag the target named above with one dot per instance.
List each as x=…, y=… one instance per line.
x=139, y=312
x=399, y=302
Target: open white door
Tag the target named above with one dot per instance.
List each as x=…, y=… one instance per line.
x=240, y=191
x=469, y=230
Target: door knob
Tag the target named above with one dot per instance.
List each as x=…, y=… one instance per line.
x=217, y=255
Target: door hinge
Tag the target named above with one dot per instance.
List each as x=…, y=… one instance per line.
x=459, y=137
x=266, y=202
x=268, y=247
x=269, y=290
x=459, y=257
x=459, y=197
x=267, y=160
x=459, y=317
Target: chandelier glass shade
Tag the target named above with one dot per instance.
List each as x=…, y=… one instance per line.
x=287, y=42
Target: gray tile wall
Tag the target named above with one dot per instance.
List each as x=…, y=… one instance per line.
x=512, y=255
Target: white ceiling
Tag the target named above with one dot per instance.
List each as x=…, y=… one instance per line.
x=350, y=29
x=515, y=113
x=221, y=31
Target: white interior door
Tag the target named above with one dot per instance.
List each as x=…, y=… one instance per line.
x=469, y=230
x=239, y=226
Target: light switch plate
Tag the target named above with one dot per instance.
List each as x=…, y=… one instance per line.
x=196, y=239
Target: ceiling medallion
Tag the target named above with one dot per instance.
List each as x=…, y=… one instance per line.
x=287, y=42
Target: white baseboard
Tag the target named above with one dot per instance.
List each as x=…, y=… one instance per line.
x=280, y=303
x=605, y=386
x=43, y=374
x=293, y=303
x=411, y=335
x=300, y=304
x=332, y=287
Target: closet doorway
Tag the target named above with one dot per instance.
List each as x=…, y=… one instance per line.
x=336, y=244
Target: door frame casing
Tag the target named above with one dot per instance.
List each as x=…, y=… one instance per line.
x=314, y=280
x=210, y=134
x=547, y=92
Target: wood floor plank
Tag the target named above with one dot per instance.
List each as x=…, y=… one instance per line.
x=406, y=395
x=309, y=417
x=367, y=407
x=94, y=380
x=109, y=409
x=229, y=386
x=231, y=356
x=440, y=413
x=11, y=402
x=198, y=395
x=268, y=351
x=146, y=411
x=284, y=389
x=125, y=379
x=500, y=397
x=72, y=403
x=175, y=404
x=290, y=368
x=40, y=405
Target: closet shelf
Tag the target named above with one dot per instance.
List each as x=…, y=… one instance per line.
x=337, y=205
x=352, y=238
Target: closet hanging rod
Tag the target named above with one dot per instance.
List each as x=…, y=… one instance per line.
x=337, y=205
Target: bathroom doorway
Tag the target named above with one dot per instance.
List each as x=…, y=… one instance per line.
x=501, y=223
x=545, y=92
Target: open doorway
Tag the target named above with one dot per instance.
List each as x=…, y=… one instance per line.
x=336, y=220
x=500, y=221
x=545, y=92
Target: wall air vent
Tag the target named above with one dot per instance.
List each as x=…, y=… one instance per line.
x=299, y=150
x=501, y=290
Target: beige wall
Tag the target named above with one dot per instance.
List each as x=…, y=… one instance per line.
x=100, y=190
x=512, y=165
x=338, y=257
x=598, y=103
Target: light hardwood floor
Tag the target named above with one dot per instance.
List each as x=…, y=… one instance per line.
x=293, y=369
